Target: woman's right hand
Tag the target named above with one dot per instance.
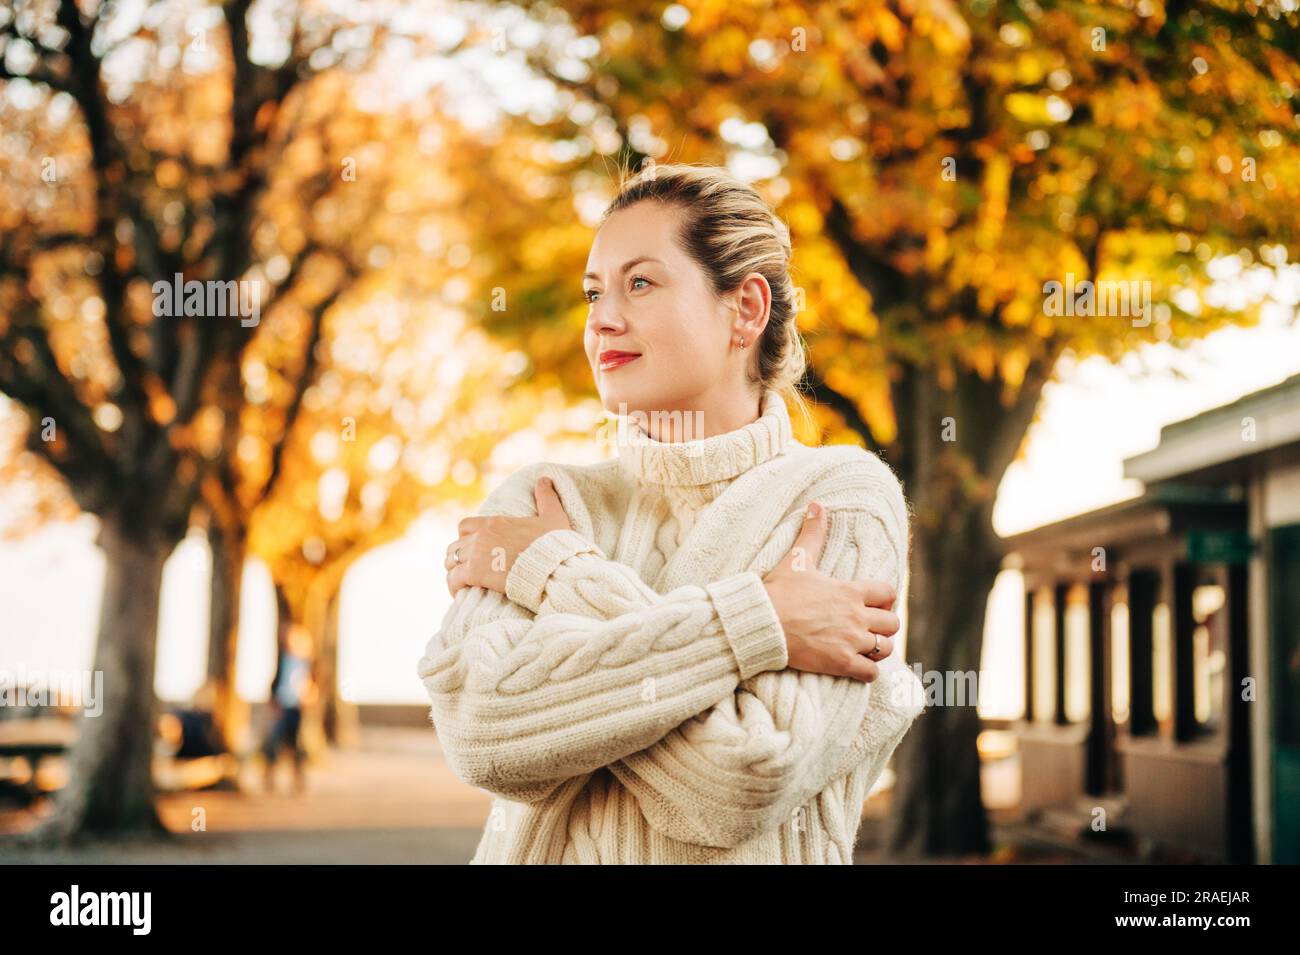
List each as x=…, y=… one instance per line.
x=830, y=624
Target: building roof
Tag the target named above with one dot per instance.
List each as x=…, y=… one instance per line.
x=1162, y=511
x=1259, y=422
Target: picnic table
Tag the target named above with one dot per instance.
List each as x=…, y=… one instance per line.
x=33, y=740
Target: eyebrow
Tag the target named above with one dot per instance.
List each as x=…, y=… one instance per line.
x=626, y=265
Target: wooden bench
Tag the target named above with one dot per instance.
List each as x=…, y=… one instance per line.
x=33, y=740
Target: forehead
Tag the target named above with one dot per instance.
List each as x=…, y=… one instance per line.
x=647, y=228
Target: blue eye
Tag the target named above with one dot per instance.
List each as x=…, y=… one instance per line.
x=590, y=294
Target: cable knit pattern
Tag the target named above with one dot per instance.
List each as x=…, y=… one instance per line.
x=620, y=721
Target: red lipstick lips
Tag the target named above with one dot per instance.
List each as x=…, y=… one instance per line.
x=609, y=360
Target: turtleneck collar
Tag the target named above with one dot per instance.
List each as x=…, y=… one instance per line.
x=699, y=470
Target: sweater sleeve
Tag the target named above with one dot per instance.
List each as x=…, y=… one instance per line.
x=562, y=572
x=747, y=764
x=522, y=703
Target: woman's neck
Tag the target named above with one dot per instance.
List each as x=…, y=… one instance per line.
x=704, y=467
x=704, y=416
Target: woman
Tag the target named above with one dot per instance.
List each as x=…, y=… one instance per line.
x=684, y=654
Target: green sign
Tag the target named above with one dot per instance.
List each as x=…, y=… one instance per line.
x=1219, y=547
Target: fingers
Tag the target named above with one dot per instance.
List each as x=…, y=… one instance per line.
x=460, y=544
x=876, y=650
x=456, y=579
x=877, y=593
x=884, y=622
x=458, y=570
x=806, y=552
x=549, y=507
x=861, y=668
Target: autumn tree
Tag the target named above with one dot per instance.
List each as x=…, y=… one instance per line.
x=940, y=166
x=144, y=151
x=383, y=201
x=410, y=414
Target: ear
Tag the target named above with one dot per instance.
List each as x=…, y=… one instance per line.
x=754, y=303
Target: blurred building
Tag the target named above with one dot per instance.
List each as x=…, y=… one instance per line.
x=1162, y=642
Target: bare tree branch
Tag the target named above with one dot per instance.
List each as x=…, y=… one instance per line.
x=305, y=377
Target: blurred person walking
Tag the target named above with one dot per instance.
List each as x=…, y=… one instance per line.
x=292, y=688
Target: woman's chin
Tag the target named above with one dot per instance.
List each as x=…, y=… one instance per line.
x=615, y=401
x=616, y=393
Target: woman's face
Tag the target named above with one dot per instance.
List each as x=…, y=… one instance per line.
x=648, y=298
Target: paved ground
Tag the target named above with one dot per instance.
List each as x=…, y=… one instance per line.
x=392, y=800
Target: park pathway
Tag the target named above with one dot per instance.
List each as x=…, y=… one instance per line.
x=392, y=799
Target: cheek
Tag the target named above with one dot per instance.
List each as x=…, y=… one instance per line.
x=675, y=339
x=691, y=350
x=702, y=346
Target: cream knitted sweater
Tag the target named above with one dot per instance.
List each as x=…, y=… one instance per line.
x=628, y=700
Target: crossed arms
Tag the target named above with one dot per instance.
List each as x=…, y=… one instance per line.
x=684, y=696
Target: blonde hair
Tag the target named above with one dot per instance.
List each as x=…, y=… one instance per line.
x=730, y=231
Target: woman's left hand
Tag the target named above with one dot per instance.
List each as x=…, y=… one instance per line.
x=488, y=546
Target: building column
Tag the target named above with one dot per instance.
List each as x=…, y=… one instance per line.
x=1260, y=667
x=1142, y=594
x=1099, y=771
x=1183, y=662
x=1060, y=593
x=1029, y=650
x=1237, y=714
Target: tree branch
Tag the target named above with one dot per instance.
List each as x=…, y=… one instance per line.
x=842, y=405
x=305, y=377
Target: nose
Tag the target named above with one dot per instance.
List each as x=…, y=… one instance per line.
x=604, y=319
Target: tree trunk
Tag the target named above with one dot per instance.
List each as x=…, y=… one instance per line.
x=110, y=788
x=327, y=659
x=340, y=724
x=937, y=808
x=230, y=714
